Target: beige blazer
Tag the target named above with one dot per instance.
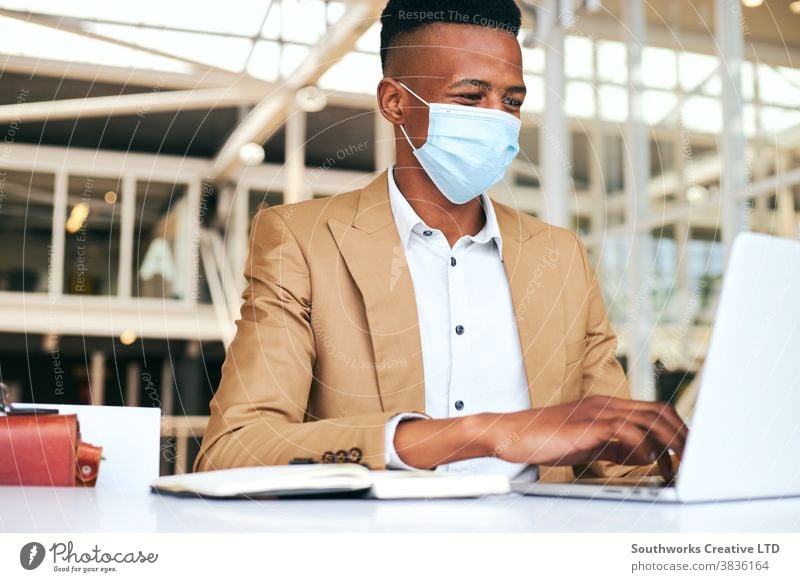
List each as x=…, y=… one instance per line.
x=328, y=348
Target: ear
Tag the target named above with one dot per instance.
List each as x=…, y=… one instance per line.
x=390, y=97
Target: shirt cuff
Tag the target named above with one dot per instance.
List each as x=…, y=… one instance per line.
x=392, y=459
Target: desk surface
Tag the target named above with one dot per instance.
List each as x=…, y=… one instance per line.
x=58, y=510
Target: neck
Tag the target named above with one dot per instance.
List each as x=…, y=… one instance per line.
x=453, y=220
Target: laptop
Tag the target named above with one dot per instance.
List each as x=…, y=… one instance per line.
x=745, y=434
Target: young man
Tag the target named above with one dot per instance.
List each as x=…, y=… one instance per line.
x=417, y=323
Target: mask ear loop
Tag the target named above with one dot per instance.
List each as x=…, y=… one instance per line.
x=403, y=129
x=408, y=139
x=403, y=85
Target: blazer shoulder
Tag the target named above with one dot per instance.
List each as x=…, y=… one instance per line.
x=562, y=238
x=308, y=215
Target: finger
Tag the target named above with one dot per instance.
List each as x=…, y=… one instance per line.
x=668, y=413
x=661, y=409
x=608, y=440
x=664, y=411
x=647, y=418
x=644, y=451
x=627, y=444
x=657, y=427
x=666, y=467
x=621, y=453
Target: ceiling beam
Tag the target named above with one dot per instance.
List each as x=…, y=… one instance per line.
x=97, y=73
x=132, y=104
x=599, y=26
x=270, y=114
x=90, y=20
x=74, y=26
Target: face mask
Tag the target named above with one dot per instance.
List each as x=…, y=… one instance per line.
x=468, y=149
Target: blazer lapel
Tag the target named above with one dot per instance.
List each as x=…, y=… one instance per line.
x=374, y=255
x=532, y=267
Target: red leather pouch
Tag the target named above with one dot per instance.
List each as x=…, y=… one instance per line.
x=46, y=449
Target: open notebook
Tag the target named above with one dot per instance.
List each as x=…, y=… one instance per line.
x=333, y=479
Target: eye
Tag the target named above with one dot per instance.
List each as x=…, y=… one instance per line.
x=513, y=102
x=471, y=96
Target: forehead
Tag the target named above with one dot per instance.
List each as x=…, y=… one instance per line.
x=452, y=51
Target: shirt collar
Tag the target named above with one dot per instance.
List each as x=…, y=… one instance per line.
x=406, y=219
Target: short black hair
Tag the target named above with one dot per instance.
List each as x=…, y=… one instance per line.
x=401, y=17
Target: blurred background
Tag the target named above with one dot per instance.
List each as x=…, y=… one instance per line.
x=139, y=138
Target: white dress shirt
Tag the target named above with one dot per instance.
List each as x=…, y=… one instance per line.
x=472, y=360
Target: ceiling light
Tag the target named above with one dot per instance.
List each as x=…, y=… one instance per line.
x=79, y=214
x=696, y=193
x=311, y=99
x=50, y=342
x=795, y=6
x=110, y=197
x=251, y=154
x=752, y=3
x=127, y=337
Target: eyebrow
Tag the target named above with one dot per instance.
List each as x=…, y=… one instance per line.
x=486, y=85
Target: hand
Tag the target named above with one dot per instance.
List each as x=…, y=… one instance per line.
x=627, y=432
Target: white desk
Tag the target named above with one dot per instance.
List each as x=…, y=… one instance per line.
x=59, y=510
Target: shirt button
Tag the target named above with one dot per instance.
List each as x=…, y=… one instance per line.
x=452, y=261
x=459, y=329
x=427, y=232
x=459, y=405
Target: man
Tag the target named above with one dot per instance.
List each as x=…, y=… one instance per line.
x=416, y=323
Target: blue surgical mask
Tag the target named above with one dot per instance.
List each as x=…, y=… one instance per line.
x=468, y=149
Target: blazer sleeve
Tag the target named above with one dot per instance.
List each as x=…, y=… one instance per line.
x=602, y=372
x=259, y=412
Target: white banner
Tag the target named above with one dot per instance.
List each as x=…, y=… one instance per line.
x=401, y=557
